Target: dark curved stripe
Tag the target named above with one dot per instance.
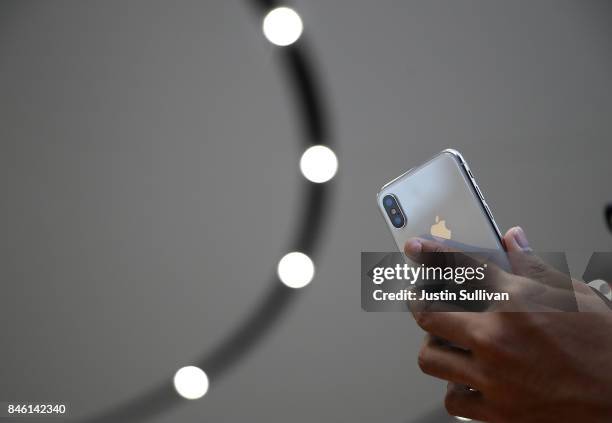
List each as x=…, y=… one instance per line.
x=262, y=318
x=216, y=363
x=308, y=92
x=301, y=74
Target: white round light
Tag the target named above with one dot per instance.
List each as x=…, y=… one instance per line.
x=282, y=26
x=319, y=164
x=191, y=382
x=295, y=270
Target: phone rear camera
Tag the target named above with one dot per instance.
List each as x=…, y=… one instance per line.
x=394, y=211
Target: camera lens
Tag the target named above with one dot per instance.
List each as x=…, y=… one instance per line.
x=394, y=211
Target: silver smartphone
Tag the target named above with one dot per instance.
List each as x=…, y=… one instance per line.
x=441, y=200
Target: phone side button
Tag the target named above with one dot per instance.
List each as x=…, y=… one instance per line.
x=479, y=192
x=469, y=171
x=489, y=213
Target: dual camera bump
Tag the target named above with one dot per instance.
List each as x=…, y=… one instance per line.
x=394, y=211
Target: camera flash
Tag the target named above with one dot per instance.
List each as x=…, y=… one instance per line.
x=393, y=211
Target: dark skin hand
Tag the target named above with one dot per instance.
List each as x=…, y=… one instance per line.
x=522, y=366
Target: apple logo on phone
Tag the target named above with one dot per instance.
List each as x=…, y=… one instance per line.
x=440, y=230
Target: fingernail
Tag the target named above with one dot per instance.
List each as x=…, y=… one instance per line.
x=521, y=239
x=413, y=247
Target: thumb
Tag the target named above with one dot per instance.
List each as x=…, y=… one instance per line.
x=525, y=263
x=559, y=287
x=516, y=241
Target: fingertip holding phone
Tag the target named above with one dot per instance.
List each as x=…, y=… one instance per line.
x=441, y=200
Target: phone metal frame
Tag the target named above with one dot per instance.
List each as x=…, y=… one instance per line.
x=470, y=176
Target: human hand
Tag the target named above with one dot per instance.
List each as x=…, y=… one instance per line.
x=522, y=366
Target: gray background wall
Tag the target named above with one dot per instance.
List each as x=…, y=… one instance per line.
x=148, y=171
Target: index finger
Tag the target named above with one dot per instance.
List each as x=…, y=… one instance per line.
x=457, y=328
x=450, y=268
x=436, y=254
